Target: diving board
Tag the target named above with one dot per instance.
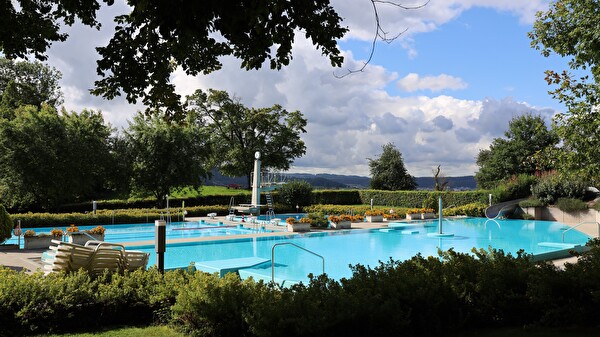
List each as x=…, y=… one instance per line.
x=229, y=265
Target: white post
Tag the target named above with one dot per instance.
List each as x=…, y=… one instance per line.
x=490, y=198
x=371, y=203
x=440, y=208
x=256, y=181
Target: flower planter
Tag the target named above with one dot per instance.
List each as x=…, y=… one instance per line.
x=298, y=227
x=39, y=241
x=414, y=216
x=374, y=218
x=80, y=238
x=341, y=225
x=427, y=216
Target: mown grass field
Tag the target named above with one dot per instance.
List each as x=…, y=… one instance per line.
x=188, y=192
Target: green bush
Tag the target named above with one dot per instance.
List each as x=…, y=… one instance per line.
x=422, y=296
x=103, y=217
x=571, y=205
x=474, y=209
x=552, y=187
x=295, y=192
x=518, y=186
x=6, y=225
x=531, y=203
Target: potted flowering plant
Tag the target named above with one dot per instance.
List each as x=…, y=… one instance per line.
x=374, y=215
x=32, y=240
x=293, y=225
x=80, y=238
x=343, y=221
x=420, y=213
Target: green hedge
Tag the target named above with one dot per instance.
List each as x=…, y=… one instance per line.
x=423, y=296
x=408, y=199
x=151, y=203
x=104, y=217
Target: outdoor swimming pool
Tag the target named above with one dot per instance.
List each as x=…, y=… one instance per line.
x=343, y=248
x=146, y=231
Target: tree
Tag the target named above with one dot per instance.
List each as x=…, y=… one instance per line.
x=27, y=83
x=156, y=37
x=238, y=132
x=296, y=193
x=388, y=171
x=527, y=136
x=166, y=155
x=48, y=159
x=440, y=180
x=6, y=225
x=569, y=29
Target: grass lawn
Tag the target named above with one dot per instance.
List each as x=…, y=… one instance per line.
x=152, y=331
x=188, y=192
x=159, y=331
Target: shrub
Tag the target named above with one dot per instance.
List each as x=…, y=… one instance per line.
x=571, y=205
x=531, y=203
x=551, y=187
x=29, y=233
x=317, y=219
x=474, y=209
x=290, y=221
x=6, y=225
x=296, y=192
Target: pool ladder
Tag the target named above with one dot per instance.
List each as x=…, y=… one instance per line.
x=294, y=245
x=579, y=224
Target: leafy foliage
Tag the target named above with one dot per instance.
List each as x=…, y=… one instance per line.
x=47, y=158
x=422, y=296
x=155, y=38
x=527, y=136
x=567, y=28
x=166, y=155
x=571, y=205
x=238, y=132
x=551, y=187
x=6, y=225
x=27, y=83
x=296, y=192
x=388, y=171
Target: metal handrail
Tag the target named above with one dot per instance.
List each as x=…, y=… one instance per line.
x=295, y=245
x=579, y=224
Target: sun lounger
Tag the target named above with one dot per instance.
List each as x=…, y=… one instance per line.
x=95, y=257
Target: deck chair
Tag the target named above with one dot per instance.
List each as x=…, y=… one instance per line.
x=65, y=256
x=107, y=256
x=136, y=259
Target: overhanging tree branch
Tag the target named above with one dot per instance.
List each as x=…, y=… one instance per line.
x=380, y=32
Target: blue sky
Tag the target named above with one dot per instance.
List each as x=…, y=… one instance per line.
x=441, y=92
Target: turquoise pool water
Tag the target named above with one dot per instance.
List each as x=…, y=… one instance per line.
x=146, y=231
x=343, y=248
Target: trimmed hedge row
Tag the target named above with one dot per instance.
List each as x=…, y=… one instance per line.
x=151, y=203
x=410, y=199
x=104, y=217
x=423, y=296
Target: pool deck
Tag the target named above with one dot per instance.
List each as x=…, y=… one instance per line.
x=30, y=260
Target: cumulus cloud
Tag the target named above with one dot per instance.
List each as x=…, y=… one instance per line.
x=413, y=82
x=349, y=119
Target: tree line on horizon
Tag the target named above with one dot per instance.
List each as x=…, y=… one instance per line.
x=50, y=157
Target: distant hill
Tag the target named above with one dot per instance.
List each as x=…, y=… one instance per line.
x=454, y=183
x=334, y=181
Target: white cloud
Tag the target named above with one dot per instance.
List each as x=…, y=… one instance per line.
x=349, y=119
x=413, y=82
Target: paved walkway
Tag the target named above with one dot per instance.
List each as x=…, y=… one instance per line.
x=30, y=260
